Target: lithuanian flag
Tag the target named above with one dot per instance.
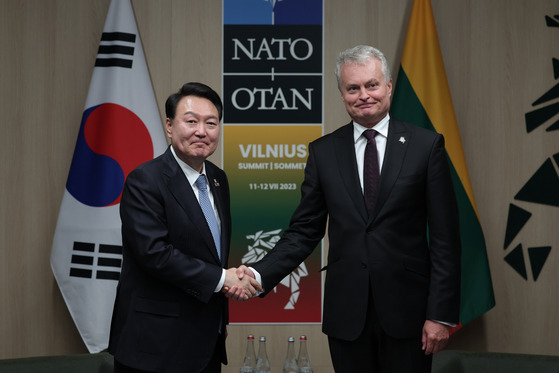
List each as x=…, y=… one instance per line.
x=422, y=97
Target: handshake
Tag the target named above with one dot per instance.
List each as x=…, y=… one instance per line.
x=240, y=284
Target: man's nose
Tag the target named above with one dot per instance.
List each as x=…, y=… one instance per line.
x=201, y=129
x=363, y=94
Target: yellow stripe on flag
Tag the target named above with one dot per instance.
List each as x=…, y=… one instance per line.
x=423, y=63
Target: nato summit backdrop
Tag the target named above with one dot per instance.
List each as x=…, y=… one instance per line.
x=273, y=108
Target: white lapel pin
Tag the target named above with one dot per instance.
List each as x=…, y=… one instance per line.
x=216, y=183
x=402, y=139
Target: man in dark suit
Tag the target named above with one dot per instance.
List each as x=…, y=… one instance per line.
x=170, y=312
x=392, y=285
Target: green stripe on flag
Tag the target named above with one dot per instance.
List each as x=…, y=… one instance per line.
x=476, y=296
x=406, y=105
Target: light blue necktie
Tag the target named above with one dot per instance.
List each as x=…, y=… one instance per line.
x=208, y=211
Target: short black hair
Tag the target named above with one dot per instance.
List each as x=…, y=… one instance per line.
x=193, y=89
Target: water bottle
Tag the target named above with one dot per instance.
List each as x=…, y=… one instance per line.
x=249, y=362
x=262, y=362
x=290, y=364
x=303, y=359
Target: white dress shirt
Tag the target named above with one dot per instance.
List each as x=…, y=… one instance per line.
x=360, y=142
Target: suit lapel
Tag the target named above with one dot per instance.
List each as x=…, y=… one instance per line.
x=347, y=165
x=396, y=147
x=184, y=195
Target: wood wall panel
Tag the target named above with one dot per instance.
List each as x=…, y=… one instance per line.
x=498, y=62
x=49, y=49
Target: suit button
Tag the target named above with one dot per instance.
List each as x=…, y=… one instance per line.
x=364, y=265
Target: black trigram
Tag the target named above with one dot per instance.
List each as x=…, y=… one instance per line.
x=115, y=43
x=109, y=261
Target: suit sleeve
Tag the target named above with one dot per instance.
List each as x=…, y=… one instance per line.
x=146, y=235
x=444, y=238
x=306, y=229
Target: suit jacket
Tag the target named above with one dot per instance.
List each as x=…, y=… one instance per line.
x=412, y=272
x=166, y=316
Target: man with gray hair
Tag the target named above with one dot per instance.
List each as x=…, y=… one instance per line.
x=392, y=287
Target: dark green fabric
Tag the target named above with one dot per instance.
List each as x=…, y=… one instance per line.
x=493, y=362
x=82, y=363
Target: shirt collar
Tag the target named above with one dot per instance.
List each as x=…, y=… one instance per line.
x=190, y=173
x=381, y=127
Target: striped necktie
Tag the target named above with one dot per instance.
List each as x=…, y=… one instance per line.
x=208, y=211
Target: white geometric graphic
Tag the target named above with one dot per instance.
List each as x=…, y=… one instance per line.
x=264, y=242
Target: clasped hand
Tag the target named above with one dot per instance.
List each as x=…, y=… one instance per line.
x=239, y=287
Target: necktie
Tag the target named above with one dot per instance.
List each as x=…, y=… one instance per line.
x=208, y=211
x=370, y=169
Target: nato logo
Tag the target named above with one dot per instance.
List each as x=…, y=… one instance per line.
x=272, y=61
x=112, y=141
x=272, y=12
